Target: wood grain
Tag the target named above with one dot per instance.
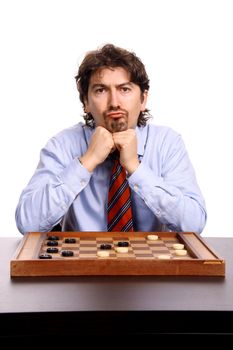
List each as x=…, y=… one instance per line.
x=142, y=259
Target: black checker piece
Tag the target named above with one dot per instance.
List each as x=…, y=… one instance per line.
x=123, y=244
x=106, y=246
x=67, y=253
x=70, y=240
x=52, y=243
x=52, y=250
x=53, y=238
x=45, y=256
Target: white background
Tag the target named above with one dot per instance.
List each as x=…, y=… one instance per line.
x=187, y=47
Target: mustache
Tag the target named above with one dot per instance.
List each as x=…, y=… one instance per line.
x=115, y=109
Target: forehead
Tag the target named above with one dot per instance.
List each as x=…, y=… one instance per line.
x=108, y=75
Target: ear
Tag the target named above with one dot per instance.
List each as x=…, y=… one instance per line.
x=86, y=107
x=144, y=96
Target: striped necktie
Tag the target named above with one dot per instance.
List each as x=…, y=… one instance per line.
x=119, y=201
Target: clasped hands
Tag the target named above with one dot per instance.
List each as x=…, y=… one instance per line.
x=103, y=142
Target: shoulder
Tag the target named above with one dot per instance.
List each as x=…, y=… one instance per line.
x=70, y=132
x=68, y=141
x=71, y=136
x=162, y=131
x=158, y=134
x=160, y=140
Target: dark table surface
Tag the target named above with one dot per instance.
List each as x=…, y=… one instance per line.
x=97, y=305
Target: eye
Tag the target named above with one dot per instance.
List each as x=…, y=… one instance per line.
x=99, y=90
x=125, y=89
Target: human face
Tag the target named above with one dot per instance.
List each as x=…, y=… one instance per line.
x=113, y=100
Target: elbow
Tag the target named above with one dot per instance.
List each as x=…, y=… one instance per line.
x=202, y=223
x=21, y=228
x=20, y=222
x=24, y=222
x=195, y=221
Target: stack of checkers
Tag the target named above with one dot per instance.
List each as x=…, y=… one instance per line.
x=122, y=247
x=149, y=247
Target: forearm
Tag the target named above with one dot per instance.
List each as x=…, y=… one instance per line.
x=43, y=204
x=179, y=205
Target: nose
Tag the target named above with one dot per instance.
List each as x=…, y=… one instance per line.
x=113, y=101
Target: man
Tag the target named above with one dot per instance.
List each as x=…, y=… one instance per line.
x=70, y=185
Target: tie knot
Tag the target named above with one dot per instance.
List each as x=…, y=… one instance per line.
x=115, y=155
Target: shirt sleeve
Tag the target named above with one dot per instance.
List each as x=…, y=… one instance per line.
x=52, y=189
x=169, y=188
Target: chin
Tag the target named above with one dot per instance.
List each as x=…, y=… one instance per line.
x=117, y=125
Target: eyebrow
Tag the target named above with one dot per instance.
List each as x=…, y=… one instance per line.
x=98, y=85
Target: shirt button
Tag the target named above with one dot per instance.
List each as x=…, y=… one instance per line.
x=135, y=188
x=82, y=182
x=157, y=212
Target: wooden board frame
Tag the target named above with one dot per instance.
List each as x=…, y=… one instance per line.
x=204, y=262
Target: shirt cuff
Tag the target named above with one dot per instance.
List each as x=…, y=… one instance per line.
x=143, y=181
x=75, y=176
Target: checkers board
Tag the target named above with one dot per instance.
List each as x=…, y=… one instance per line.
x=143, y=256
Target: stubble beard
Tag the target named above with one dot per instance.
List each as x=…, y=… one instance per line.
x=116, y=124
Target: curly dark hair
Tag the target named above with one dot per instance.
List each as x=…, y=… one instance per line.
x=111, y=56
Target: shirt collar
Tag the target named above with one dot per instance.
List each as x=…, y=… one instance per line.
x=141, y=132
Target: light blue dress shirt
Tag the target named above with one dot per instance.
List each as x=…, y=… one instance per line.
x=164, y=189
